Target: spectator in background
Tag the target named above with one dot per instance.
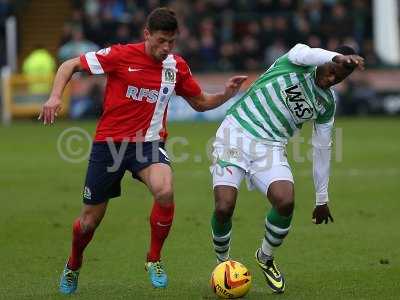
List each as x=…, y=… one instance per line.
x=287, y=5
x=360, y=14
x=314, y=41
x=265, y=6
x=369, y=53
x=313, y=11
x=122, y=35
x=5, y=11
x=66, y=34
x=82, y=104
x=332, y=43
x=208, y=45
x=91, y=8
x=282, y=31
x=93, y=28
x=273, y=52
x=267, y=31
x=39, y=67
x=227, y=57
x=115, y=8
x=302, y=27
x=76, y=46
x=250, y=49
x=338, y=22
x=137, y=21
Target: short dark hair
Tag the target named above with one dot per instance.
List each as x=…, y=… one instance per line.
x=345, y=50
x=163, y=19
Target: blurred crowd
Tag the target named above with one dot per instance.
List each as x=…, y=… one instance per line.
x=215, y=35
x=223, y=35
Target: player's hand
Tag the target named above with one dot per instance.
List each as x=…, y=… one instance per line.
x=321, y=214
x=233, y=85
x=50, y=110
x=350, y=61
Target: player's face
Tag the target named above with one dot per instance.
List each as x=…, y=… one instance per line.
x=160, y=43
x=331, y=74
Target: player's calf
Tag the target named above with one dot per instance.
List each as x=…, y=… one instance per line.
x=160, y=222
x=83, y=231
x=161, y=219
x=221, y=223
x=221, y=237
x=277, y=226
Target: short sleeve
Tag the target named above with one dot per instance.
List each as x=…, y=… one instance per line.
x=186, y=85
x=102, y=61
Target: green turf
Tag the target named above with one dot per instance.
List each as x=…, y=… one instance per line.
x=40, y=196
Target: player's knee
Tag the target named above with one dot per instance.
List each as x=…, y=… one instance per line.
x=164, y=194
x=224, y=211
x=89, y=222
x=224, y=202
x=283, y=202
x=285, y=206
x=224, y=208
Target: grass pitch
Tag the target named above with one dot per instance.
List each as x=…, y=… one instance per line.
x=356, y=257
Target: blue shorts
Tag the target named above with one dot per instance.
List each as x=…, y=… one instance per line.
x=107, y=166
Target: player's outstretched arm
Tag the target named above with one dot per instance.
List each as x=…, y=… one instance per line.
x=304, y=55
x=52, y=106
x=206, y=101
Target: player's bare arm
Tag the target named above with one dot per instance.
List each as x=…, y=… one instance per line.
x=206, y=101
x=53, y=105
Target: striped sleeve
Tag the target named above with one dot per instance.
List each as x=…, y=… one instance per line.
x=102, y=61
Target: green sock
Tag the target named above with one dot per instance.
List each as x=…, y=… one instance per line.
x=220, y=229
x=221, y=234
x=276, y=219
x=276, y=229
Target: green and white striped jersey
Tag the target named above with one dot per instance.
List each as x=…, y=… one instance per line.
x=283, y=98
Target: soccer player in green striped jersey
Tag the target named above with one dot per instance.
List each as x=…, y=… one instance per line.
x=250, y=144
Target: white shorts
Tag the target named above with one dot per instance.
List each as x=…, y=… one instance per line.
x=236, y=156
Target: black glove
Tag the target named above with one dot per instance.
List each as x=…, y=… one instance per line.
x=321, y=214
